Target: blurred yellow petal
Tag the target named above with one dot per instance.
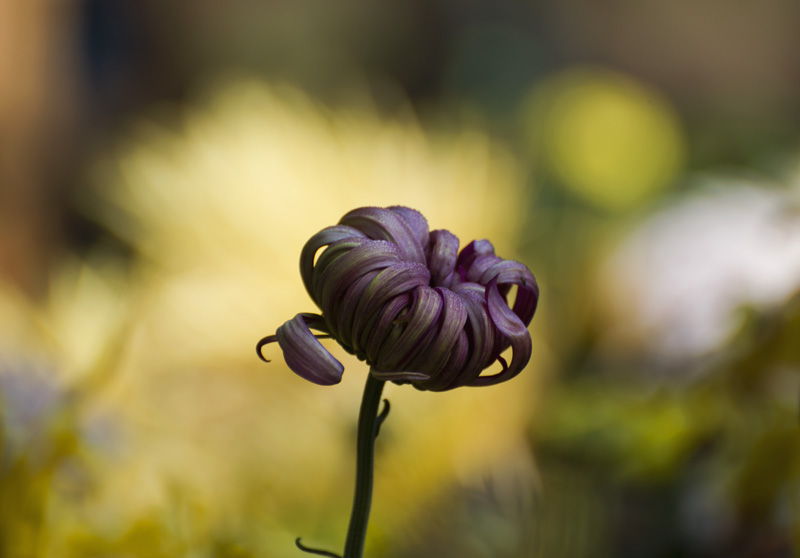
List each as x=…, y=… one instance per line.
x=220, y=210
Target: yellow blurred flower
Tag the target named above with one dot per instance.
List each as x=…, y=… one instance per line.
x=219, y=211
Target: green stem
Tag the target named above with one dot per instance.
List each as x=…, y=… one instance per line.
x=368, y=422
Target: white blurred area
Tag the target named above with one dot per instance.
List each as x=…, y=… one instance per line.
x=677, y=286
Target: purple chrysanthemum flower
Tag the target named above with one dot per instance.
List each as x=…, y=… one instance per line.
x=404, y=300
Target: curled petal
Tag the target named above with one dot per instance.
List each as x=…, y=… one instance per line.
x=322, y=238
x=477, y=272
x=510, y=272
x=473, y=251
x=383, y=224
x=384, y=327
x=329, y=256
x=442, y=262
x=507, y=272
x=449, y=376
x=345, y=309
x=480, y=332
x=424, y=313
x=416, y=222
x=470, y=287
x=304, y=354
x=510, y=326
x=400, y=278
x=526, y=302
x=263, y=343
x=358, y=260
x=438, y=353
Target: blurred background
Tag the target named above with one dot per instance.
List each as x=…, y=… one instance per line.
x=162, y=164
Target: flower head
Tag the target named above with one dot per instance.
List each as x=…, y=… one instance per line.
x=403, y=299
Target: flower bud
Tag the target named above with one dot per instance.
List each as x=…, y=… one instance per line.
x=403, y=299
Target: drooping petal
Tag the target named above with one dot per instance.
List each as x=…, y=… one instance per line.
x=480, y=332
x=510, y=272
x=305, y=355
x=263, y=343
x=510, y=326
x=315, y=321
x=526, y=302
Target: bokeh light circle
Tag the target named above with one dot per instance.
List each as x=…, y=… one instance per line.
x=606, y=137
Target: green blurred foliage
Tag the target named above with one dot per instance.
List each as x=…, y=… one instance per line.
x=702, y=460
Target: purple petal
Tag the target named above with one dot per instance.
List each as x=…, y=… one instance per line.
x=322, y=238
x=336, y=250
x=399, y=376
x=510, y=272
x=442, y=262
x=448, y=377
x=415, y=221
x=374, y=337
x=526, y=302
x=435, y=355
x=382, y=224
x=305, y=355
x=510, y=326
x=480, y=265
x=332, y=279
x=344, y=309
x=480, y=331
x=425, y=311
x=263, y=343
x=472, y=251
x=400, y=278
x=469, y=286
